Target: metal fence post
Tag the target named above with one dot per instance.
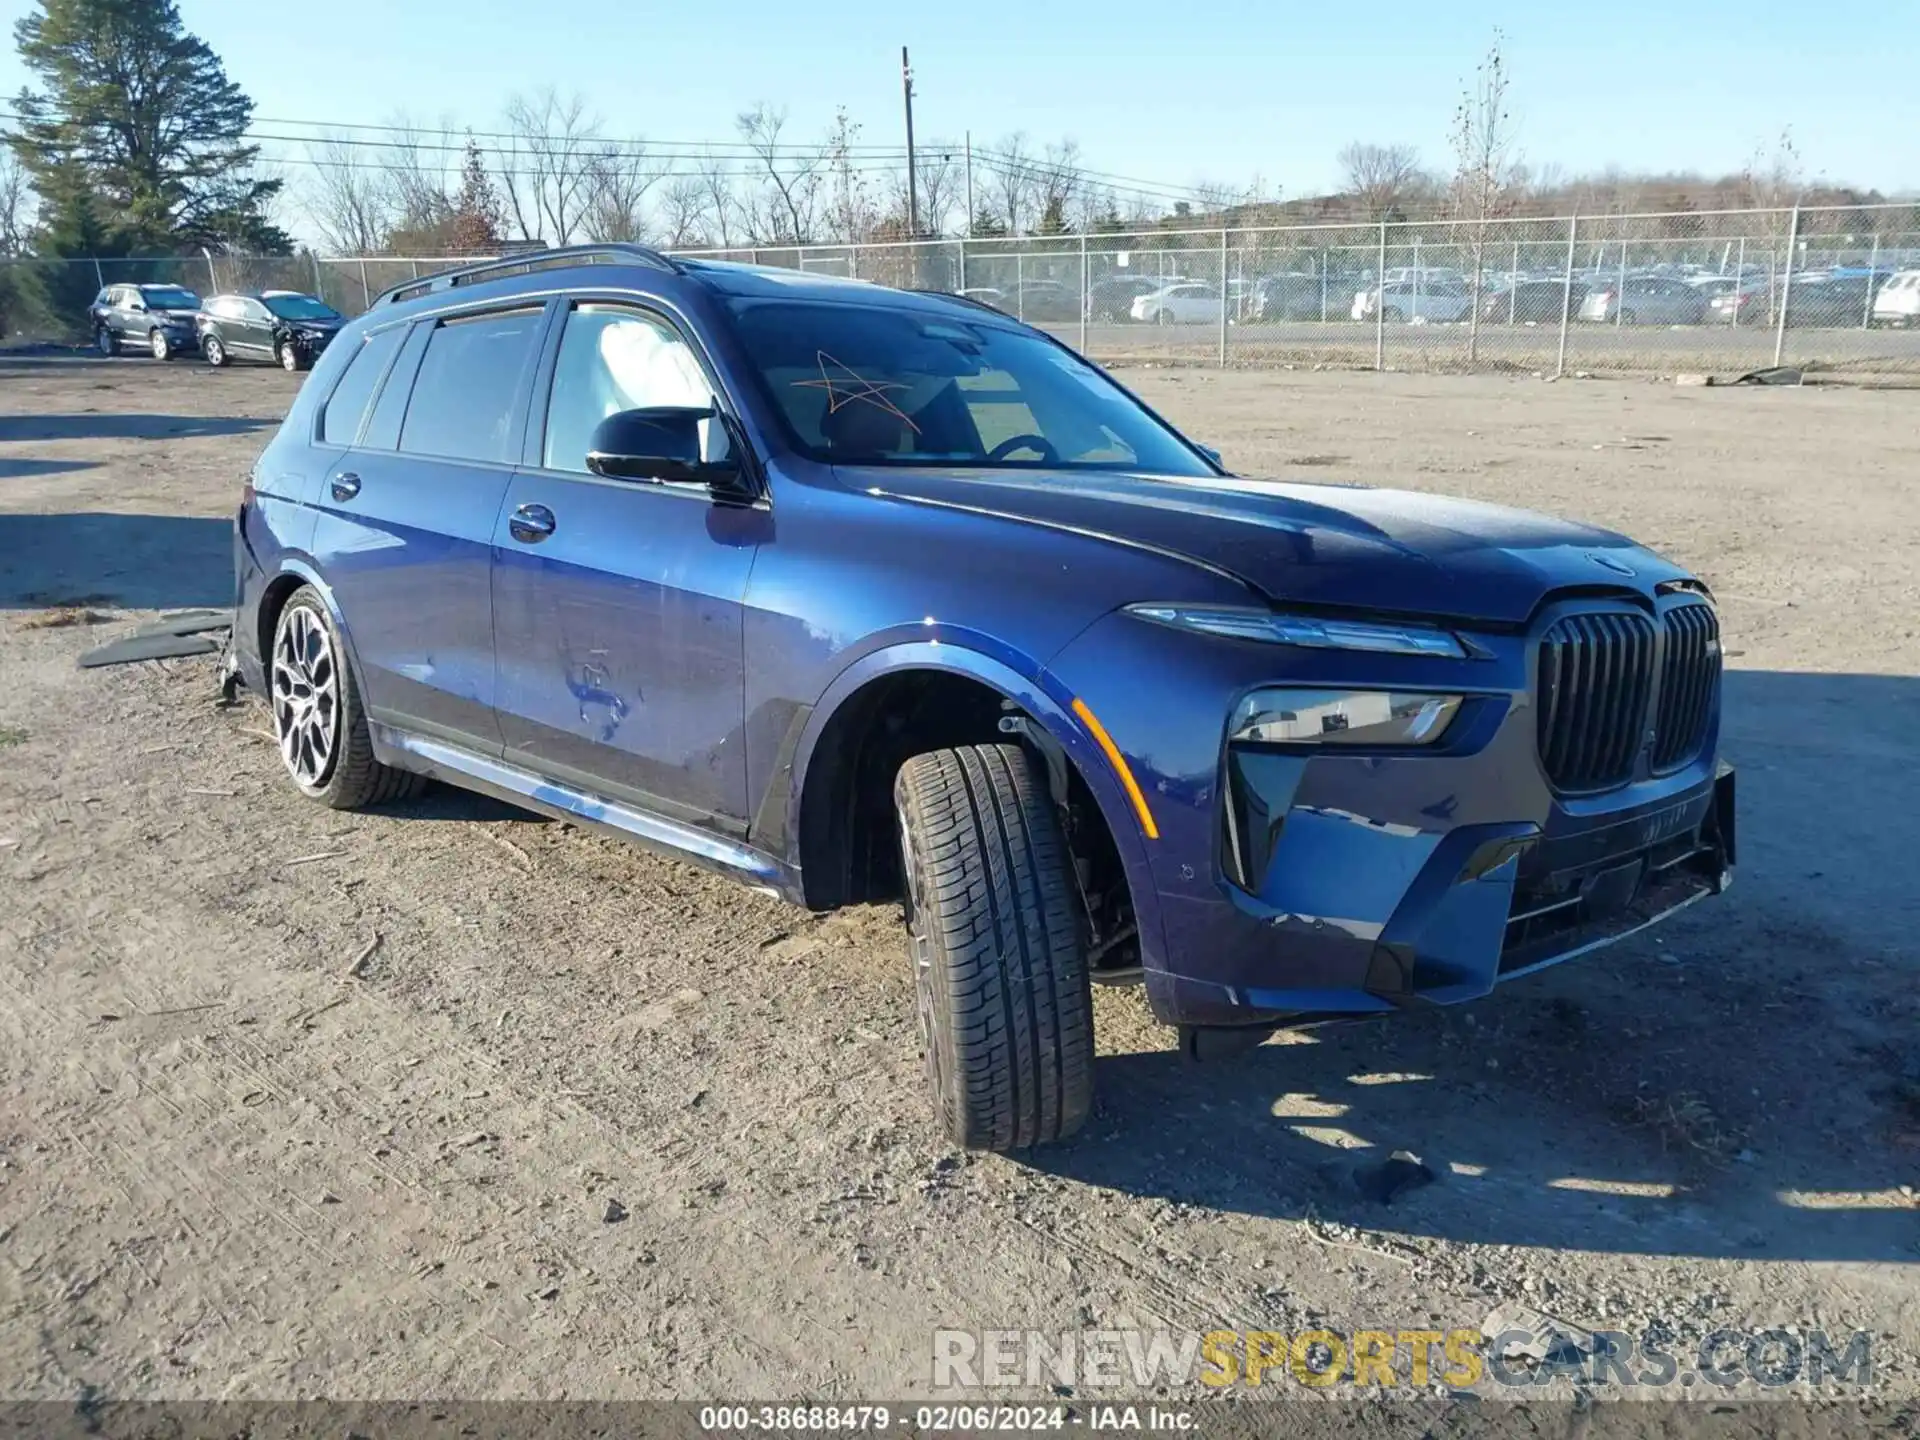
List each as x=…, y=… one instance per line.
x=98, y=279
x=366, y=294
x=1873, y=271
x=1085, y=293
x=1566, y=294
x=1223, y=297
x=1786, y=287
x=1020, y=285
x=963, y=260
x=213, y=280
x=1513, y=287
x=1620, y=305
x=319, y=284
x=1739, y=282
x=1380, y=304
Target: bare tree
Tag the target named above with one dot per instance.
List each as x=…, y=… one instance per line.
x=787, y=206
x=16, y=203
x=1057, y=186
x=548, y=165
x=1009, y=187
x=683, y=208
x=618, y=181
x=420, y=175
x=1381, y=179
x=942, y=180
x=720, y=207
x=347, y=199
x=851, y=213
x=1487, y=176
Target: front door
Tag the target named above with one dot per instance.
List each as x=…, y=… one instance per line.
x=616, y=603
x=406, y=520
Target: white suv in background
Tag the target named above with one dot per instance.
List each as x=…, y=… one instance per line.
x=1898, y=302
x=1188, y=303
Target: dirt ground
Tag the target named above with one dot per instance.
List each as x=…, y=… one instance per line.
x=590, y=1124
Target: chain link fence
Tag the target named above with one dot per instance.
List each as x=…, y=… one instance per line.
x=1830, y=289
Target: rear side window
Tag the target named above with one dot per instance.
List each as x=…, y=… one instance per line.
x=464, y=398
x=348, y=403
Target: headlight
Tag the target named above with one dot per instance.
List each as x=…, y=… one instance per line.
x=1320, y=634
x=1389, y=718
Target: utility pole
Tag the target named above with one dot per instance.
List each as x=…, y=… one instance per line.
x=969, y=184
x=913, y=189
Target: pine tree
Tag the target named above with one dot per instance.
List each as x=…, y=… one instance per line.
x=140, y=116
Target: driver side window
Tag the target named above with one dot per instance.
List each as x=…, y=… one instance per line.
x=615, y=358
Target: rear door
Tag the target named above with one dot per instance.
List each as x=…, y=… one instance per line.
x=617, y=604
x=406, y=520
x=254, y=328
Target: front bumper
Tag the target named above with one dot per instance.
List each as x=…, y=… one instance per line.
x=1353, y=883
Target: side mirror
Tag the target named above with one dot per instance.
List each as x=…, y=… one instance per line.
x=1211, y=453
x=661, y=444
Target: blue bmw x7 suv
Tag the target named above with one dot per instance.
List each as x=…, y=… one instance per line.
x=859, y=594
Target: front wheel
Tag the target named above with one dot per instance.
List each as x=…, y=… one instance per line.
x=161, y=347
x=1000, y=971
x=288, y=355
x=104, y=342
x=318, y=719
x=215, y=352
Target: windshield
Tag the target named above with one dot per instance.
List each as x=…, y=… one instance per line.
x=169, y=297
x=300, y=307
x=858, y=384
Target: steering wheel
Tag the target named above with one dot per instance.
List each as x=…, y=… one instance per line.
x=1039, y=444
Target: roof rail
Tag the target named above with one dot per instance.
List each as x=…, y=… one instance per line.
x=527, y=263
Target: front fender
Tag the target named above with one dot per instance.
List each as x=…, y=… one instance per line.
x=1038, y=692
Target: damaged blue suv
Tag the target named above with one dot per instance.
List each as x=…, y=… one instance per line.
x=867, y=595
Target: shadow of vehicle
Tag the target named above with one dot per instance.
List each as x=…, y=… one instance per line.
x=142, y=562
x=1743, y=1082
x=33, y=469
x=113, y=426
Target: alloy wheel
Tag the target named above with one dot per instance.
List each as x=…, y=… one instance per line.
x=306, y=696
x=289, y=357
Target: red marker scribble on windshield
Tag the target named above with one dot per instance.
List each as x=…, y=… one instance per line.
x=848, y=386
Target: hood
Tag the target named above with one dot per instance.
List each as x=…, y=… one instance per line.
x=1381, y=550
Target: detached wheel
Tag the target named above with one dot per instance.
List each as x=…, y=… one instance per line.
x=104, y=342
x=215, y=352
x=158, y=343
x=288, y=355
x=1000, y=972
x=317, y=716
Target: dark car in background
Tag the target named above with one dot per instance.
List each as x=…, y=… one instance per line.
x=160, y=319
x=1295, y=296
x=279, y=327
x=1110, y=301
x=1833, y=301
x=859, y=595
x=1533, y=302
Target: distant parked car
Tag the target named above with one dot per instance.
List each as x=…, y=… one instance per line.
x=1749, y=303
x=1898, y=302
x=1429, y=297
x=1189, y=303
x=1532, y=302
x=282, y=327
x=1297, y=295
x=1644, y=300
x=160, y=319
x=985, y=295
x=1111, y=300
x=1831, y=301
x=1041, y=300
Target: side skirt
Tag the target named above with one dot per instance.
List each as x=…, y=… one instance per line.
x=468, y=771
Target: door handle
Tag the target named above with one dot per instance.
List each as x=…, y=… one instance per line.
x=530, y=524
x=346, y=485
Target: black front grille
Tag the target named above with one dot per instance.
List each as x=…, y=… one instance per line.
x=1596, y=677
x=1689, y=679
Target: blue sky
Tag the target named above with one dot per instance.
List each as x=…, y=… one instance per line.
x=1172, y=93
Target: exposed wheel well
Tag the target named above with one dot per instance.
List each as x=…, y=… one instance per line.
x=849, y=850
x=272, y=602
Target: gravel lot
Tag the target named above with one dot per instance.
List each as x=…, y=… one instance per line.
x=229, y=1170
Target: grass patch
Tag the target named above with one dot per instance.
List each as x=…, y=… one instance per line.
x=1686, y=1123
x=10, y=736
x=63, y=617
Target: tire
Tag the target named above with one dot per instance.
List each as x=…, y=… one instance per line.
x=288, y=354
x=306, y=663
x=214, y=350
x=1000, y=971
x=105, y=341
x=1163, y=316
x=158, y=345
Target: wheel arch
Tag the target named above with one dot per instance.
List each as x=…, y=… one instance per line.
x=297, y=573
x=837, y=762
